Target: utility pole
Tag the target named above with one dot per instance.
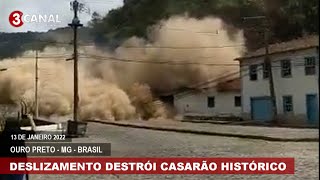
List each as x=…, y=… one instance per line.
x=268, y=64
x=36, y=113
x=75, y=24
x=318, y=72
x=76, y=128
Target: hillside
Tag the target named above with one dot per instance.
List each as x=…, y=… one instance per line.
x=14, y=44
x=288, y=19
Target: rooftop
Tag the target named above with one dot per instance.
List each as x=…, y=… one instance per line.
x=230, y=85
x=293, y=45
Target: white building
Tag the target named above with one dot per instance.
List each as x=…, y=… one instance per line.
x=295, y=70
x=222, y=100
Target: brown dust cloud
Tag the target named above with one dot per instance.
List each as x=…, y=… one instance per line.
x=124, y=84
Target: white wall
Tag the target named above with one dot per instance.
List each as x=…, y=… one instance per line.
x=298, y=86
x=198, y=104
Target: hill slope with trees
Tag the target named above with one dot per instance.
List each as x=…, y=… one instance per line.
x=288, y=19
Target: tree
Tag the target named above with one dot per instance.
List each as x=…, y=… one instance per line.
x=289, y=18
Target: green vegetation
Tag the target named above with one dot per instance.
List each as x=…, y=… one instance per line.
x=288, y=18
x=14, y=44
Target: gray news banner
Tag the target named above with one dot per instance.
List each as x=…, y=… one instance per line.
x=56, y=149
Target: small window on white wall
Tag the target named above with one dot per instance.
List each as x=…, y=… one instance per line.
x=287, y=104
x=266, y=67
x=253, y=72
x=211, y=102
x=237, y=101
x=286, y=68
x=310, y=65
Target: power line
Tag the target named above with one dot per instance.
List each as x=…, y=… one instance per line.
x=92, y=2
x=45, y=57
x=197, y=32
x=66, y=43
x=296, y=63
x=100, y=2
x=224, y=78
x=171, y=62
x=55, y=42
x=177, y=47
x=154, y=47
x=155, y=62
x=162, y=62
x=197, y=86
x=230, y=75
x=12, y=67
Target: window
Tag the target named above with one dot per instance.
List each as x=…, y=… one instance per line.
x=237, y=101
x=310, y=65
x=287, y=104
x=286, y=68
x=211, y=102
x=266, y=67
x=253, y=72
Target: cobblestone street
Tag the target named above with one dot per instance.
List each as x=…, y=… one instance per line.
x=131, y=142
x=234, y=130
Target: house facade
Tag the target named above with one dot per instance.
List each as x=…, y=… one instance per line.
x=222, y=100
x=295, y=71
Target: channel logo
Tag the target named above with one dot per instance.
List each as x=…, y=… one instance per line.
x=15, y=19
x=18, y=18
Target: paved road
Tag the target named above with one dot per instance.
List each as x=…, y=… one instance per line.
x=129, y=142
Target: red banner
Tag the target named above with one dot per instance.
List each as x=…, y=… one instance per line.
x=147, y=166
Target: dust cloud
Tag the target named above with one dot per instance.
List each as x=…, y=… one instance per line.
x=115, y=90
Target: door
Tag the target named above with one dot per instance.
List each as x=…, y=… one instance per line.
x=261, y=109
x=312, y=109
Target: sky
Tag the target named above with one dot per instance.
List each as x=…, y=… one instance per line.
x=60, y=8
